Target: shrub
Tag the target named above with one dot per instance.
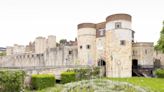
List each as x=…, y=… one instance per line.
x=86, y=73
x=96, y=71
x=67, y=77
x=82, y=73
x=160, y=73
x=11, y=80
x=40, y=81
x=101, y=85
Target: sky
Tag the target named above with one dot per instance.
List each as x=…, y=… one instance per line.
x=21, y=21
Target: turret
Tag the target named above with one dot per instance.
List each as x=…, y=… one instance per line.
x=40, y=45
x=118, y=44
x=86, y=43
x=51, y=41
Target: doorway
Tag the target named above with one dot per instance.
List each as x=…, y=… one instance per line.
x=135, y=68
x=134, y=63
x=102, y=65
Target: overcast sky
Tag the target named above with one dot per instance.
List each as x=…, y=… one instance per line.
x=22, y=21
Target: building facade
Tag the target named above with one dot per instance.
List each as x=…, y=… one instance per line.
x=143, y=53
x=109, y=44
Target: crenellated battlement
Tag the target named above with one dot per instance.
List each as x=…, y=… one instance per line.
x=61, y=55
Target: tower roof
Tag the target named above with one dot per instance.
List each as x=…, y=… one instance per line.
x=100, y=25
x=120, y=16
x=86, y=25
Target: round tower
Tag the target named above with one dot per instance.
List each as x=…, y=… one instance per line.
x=86, y=43
x=118, y=45
x=51, y=41
x=40, y=44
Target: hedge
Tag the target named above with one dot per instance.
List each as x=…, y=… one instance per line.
x=11, y=80
x=40, y=81
x=159, y=73
x=67, y=77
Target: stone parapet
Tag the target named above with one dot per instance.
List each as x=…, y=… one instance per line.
x=120, y=16
x=146, y=44
x=86, y=25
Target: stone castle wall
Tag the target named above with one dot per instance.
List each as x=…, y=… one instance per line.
x=143, y=53
x=118, y=58
x=100, y=49
x=60, y=56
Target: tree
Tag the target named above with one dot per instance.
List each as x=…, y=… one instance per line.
x=63, y=41
x=160, y=43
x=3, y=54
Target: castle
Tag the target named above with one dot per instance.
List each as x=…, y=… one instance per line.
x=109, y=44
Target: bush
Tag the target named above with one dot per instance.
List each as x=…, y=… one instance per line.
x=160, y=73
x=11, y=80
x=86, y=73
x=40, y=81
x=82, y=73
x=67, y=77
x=96, y=71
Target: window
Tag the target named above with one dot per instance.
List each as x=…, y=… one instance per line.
x=111, y=57
x=133, y=34
x=80, y=47
x=70, y=52
x=133, y=52
x=118, y=25
x=145, y=51
x=101, y=32
x=122, y=42
x=88, y=46
x=37, y=55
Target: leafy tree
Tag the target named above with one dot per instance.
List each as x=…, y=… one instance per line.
x=3, y=54
x=160, y=43
x=63, y=41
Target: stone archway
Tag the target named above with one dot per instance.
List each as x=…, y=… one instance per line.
x=102, y=65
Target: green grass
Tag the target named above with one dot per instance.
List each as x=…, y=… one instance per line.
x=57, y=88
x=154, y=84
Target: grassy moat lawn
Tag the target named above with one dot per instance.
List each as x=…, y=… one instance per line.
x=154, y=84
